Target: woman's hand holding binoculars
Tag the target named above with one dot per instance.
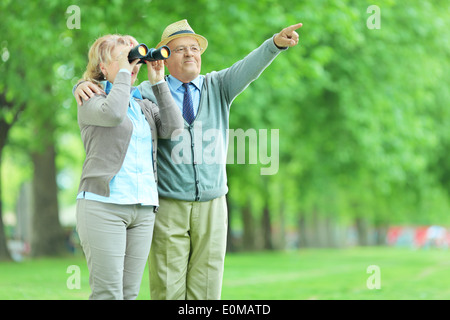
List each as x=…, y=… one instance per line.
x=123, y=61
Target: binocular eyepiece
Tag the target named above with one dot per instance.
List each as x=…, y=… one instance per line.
x=142, y=52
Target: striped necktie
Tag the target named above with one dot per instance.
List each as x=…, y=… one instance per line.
x=188, y=107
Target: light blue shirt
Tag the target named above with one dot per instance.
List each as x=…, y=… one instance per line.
x=177, y=90
x=135, y=181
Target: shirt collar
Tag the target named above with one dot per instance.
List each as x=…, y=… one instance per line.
x=176, y=84
x=133, y=91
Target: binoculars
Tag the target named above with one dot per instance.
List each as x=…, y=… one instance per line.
x=142, y=52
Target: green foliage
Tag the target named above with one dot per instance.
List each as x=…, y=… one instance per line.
x=357, y=112
x=363, y=113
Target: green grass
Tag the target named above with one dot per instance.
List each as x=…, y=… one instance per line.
x=303, y=274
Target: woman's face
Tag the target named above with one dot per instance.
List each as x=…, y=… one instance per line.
x=111, y=68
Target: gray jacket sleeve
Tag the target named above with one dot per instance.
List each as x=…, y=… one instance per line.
x=166, y=113
x=107, y=111
x=146, y=90
x=237, y=77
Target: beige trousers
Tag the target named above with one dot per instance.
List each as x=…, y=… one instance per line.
x=116, y=240
x=188, y=250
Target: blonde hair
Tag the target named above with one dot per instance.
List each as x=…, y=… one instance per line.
x=100, y=52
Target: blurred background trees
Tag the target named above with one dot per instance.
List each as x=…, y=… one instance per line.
x=362, y=113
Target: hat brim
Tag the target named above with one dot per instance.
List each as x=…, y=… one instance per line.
x=201, y=40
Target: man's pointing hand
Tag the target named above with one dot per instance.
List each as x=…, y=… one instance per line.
x=287, y=37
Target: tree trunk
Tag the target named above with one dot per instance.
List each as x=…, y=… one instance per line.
x=230, y=243
x=317, y=234
x=248, y=237
x=4, y=253
x=332, y=240
x=47, y=234
x=362, y=230
x=267, y=230
x=382, y=230
x=282, y=237
x=302, y=231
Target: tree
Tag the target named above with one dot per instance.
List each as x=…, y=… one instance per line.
x=9, y=115
x=360, y=110
x=362, y=113
x=29, y=89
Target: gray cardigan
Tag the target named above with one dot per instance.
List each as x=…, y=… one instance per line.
x=106, y=130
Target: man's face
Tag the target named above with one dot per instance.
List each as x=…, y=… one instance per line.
x=184, y=63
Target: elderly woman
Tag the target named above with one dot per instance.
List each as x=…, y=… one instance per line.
x=117, y=197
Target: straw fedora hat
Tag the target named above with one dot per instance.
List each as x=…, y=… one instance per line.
x=181, y=29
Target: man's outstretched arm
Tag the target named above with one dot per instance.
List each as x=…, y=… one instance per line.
x=237, y=77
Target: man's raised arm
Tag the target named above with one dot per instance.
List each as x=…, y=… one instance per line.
x=237, y=77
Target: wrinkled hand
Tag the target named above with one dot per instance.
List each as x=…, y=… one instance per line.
x=287, y=37
x=85, y=91
x=155, y=71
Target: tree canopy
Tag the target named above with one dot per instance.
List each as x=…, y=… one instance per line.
x=362, y=112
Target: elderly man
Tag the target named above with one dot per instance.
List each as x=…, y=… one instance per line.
x=189, y=239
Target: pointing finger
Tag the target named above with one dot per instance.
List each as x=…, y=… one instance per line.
x=294, y=27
